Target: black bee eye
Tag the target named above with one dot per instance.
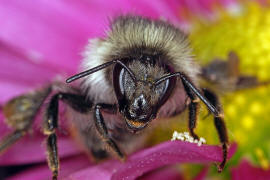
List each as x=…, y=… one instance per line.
x=127, y=84
x=164, y=90
x=162, y=87
x=123, y=82
x=118, y=88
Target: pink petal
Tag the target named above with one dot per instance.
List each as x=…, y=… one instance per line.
x=33, y=149
x=67, y=166
x=54, y=33
x=19, y=75
x=248, y=172
x=99, y=172
x=17, y=78
x=199, y=8
x=167, y=153
x=10, y=90
x=171, y=173
x=161, y=174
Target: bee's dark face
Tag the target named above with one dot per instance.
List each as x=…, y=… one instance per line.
x=140, y=99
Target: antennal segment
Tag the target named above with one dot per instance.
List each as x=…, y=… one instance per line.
x=100, y=67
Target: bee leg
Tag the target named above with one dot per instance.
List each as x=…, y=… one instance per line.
x=102, y=129
x=220, y=125
x=78, y=103
x=193, y=112
x=50, y=125
x=19, y=114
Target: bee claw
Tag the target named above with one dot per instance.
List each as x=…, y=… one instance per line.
x=55, y=175
x=220, y=169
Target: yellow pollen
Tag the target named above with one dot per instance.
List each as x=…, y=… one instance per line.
x=231, y=110
x=256, y=108
x=240, y=99
x=247, y=122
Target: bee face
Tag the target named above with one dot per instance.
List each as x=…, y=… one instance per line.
x=140, y=99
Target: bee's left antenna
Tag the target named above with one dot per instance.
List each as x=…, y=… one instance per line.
x=97, y=68
x=90, y=71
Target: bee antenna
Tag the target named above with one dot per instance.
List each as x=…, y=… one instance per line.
x=100, y=67
x=164, y=78
x=188, y=84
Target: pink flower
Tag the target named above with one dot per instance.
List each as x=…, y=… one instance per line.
x=40, y=41
x=248, y=172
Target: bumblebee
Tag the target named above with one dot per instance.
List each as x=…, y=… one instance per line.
x=142, y=70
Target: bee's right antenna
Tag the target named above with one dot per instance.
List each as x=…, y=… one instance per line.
x=188, y=83
x=97, y=68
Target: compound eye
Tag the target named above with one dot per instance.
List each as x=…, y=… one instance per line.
x=123, y=83
x=126, y=83
x=162, y=88
x=165, y=89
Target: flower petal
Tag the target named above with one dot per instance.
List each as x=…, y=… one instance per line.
x=67, y=166
x=248, y=172
x=33, y=149
x=160, y=174
x=55, y=32
x=167, y=153
x=18, y=74
x=99, y=172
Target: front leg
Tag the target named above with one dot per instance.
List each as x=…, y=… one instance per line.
x=78, y=103
x=220, y=126
x=102, y=129
x=192, y=112
x=50, y=125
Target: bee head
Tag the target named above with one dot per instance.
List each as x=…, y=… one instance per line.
x=141, y=88
x=139, y=97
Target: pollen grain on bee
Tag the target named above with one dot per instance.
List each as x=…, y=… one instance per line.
x=186, y=137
